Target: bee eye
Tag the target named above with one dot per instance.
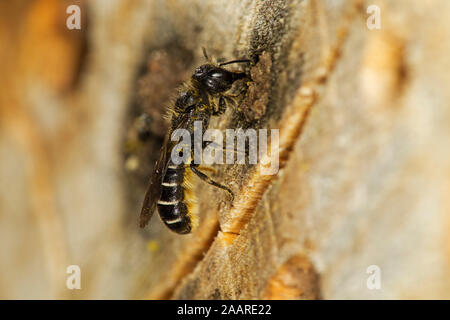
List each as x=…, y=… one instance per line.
x=216, y=75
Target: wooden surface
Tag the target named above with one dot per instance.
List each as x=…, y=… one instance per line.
x=365, y=165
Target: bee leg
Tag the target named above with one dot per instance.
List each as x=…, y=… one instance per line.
x=204, y=168
x=204, y=177
x=240, y=90
x=231, y=96
x=233, y=99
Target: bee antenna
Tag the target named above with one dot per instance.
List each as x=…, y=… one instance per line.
x=235, y=61
x=205, y=54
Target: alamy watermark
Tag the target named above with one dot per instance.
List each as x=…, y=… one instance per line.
x=73, y=21
x=374, y=20
x=74, y=280
x=374, y=280
x=209, y=147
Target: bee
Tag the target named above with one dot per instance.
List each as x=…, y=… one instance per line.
x=170, y=187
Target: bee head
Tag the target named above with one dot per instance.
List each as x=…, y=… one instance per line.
x=214, y=78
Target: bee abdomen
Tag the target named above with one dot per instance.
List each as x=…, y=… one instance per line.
x=174, y=216
x=171, y=192
x=171, y=207
x=174, y=175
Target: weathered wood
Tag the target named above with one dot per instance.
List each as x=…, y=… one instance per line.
x=364, y=165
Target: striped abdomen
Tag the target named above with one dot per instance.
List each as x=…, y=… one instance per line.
x=175, y=205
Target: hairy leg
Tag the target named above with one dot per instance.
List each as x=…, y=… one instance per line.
x=204, y=177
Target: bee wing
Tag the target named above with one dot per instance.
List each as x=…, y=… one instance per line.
x=154, y=188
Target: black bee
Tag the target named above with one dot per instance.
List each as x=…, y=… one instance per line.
x=170, y=187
